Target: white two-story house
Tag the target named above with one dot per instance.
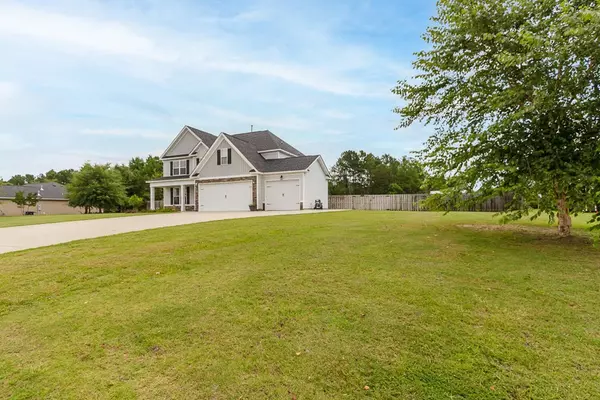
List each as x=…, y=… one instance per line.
x=203, y=172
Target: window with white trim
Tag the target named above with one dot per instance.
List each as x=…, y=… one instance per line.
x=176, y=196
x=224, y=157
x=179, y=167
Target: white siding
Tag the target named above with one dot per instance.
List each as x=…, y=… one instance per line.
x=184, y=145
x=237, y=167
x=200, y=152
x=316, y=186
x=274, y=154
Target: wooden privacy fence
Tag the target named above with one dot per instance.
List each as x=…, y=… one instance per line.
x=404, y=202
x=397, y=202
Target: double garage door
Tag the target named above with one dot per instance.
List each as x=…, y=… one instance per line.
x=237, y=196
x=230, y=196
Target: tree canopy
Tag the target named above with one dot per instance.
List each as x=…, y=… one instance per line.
x=63, y=177
x=358, y=172
x=126, y=183
x=96, y=186
x=137, y=172
x=512, y=88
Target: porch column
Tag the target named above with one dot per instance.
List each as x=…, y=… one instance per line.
x=195, y=197
x=152, y=196
x=182, y=198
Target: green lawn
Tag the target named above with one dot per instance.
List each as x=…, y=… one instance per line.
x=315, y=306
x=579, y=222
x=21, y=220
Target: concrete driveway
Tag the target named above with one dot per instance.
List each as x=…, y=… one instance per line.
x=32, y=236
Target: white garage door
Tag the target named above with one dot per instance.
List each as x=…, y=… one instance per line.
x=230, y=196
x=283, y=195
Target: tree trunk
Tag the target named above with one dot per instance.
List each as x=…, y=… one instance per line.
x=564, y=218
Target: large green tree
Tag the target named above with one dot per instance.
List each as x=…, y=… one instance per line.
x=63, y=177
x=137, y=172
x=17, y=180
x=513, y=90
x=359, y=172
x=96, y=186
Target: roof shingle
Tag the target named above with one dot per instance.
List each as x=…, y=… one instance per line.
x=298, y=163
x=52, y=190
x=207, y=138
x=289, y=164
x=266, y=140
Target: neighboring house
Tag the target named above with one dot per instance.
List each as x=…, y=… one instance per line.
x=52, y=195
x=204, y=172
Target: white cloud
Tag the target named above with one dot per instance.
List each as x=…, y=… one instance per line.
x=141, y=133
x=330, y=69
x=10, y=143
x=104, y=37
x=333, y=132
x=11, y=101
x=77, y=157
x=283, y=122
x=314, y=78
x=15, y=103
x=335, y=114
x=8, y=91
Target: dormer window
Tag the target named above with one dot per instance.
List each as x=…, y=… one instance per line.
x=224, y=156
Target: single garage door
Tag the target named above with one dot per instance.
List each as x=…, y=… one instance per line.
x=283, y=195
x=230, y=196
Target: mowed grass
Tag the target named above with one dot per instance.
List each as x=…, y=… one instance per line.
x=313, y=306
x=22, y=220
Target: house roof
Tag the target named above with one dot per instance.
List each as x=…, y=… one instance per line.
x=52, y=190
x=207, y=138
x=289, y=164
x=251, y=152
x=266, y=140
x=248, y=150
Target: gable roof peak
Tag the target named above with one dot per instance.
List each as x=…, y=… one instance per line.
x=207, y=138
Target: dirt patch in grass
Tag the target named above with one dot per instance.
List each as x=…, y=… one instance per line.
x=538, y=232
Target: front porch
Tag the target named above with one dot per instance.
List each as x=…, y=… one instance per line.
x=180, y=195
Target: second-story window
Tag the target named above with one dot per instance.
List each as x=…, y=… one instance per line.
x=224, y=157
x=179, y=167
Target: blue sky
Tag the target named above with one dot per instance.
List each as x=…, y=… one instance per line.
x=108, y=80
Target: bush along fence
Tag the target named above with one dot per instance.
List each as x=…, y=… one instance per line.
x=405, y=202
